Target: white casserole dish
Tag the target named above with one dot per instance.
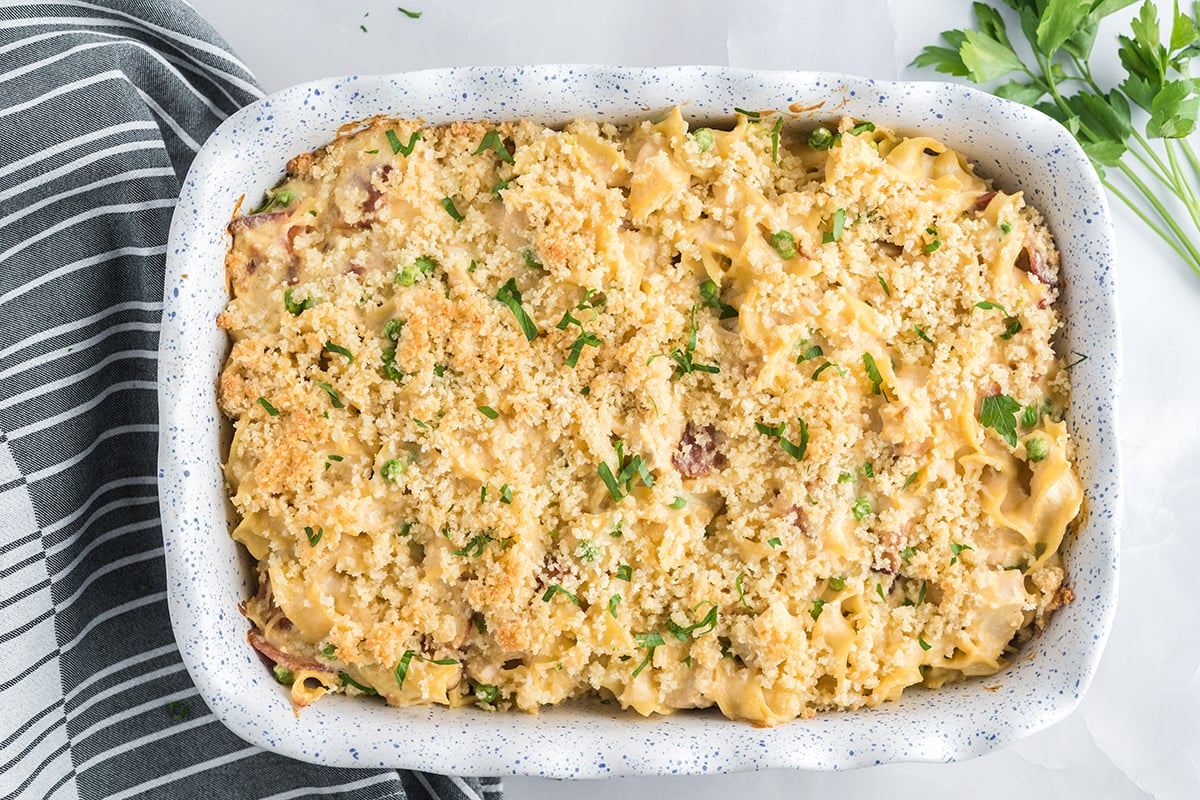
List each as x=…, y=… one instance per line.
x=208, y=574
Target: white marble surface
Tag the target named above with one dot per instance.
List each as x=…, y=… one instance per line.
x=1137, y=733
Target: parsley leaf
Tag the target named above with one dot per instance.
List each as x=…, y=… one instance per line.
x=998, y=412
x=510, y=296
x=492, y=141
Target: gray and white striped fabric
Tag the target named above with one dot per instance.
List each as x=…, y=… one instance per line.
x=102, y=108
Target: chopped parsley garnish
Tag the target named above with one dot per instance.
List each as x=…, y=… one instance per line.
x=629, y=467
x=922, y=333
x=707, y=623
x=420, y=269
x=921, y=594
x=613, y=602
x=531, y=260
x=837, y=584
x=489, y=412
x=651, y=641
x=769, y=430
x=793, y=449
x=875, y=376
x=862, y=127
x=179, y=710
x=710, y=293
x=313, y=538
x=741, y=592
x=703, y=138
x=879, y=591
x=775, y=140
x=483, y=490
x=346, y=680
x=753, y=116
x=289, y=302
x=584, y=339
x=1082, y=358
x=868, y=469
x=404, y=149
x=845, y=477
x=955, y=549
x=679, y=502
x=496, y=190
x=821, y=139
x=998, y=412
x=839, y=370
x=924, y=645
x=506, y=494
x=988, y=305
x=329, y=459
x=587, y=551
x=934, y=243
x=283, y=675
x=817, y=607
x=510, y=296
x=474, y=547
x=625, y=573
x=279, y=197
x=811, y=352
x=392, y=328
x=883, y=282
x=774, y=542
x=492, y=141
x=907, y=553
x=909, y=480
x=451, y=209
x=684, y=361
x=341, y=351
x=416, y=15
x=392, y=469
x=1012, y=326
x=271, y=410
x=784, y=244
x=1005, y=227
x=861, y=507
x=329, y=651
x=333, y=395
x=554, y=589
x=401, y=671
x=836, y=228
x=1036, y=448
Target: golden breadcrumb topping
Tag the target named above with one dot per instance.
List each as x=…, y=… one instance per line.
x=760, y=418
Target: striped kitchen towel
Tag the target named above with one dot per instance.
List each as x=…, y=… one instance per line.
x=102, y=108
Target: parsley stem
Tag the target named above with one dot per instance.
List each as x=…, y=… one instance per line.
x=1179, y=180
x=1191, y=157
x=1165, y=215
x=1189, y=258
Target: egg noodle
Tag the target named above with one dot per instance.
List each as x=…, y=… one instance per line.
x=765, y=418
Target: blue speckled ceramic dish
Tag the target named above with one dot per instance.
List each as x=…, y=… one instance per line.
x=208, y=576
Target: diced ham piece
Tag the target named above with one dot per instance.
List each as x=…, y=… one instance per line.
x=259, y=642
x=697, y=454
x=982, y=201
x=255, y=220
x=1033, y=260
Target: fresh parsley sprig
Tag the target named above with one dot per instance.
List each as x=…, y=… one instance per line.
x=1060, y=35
